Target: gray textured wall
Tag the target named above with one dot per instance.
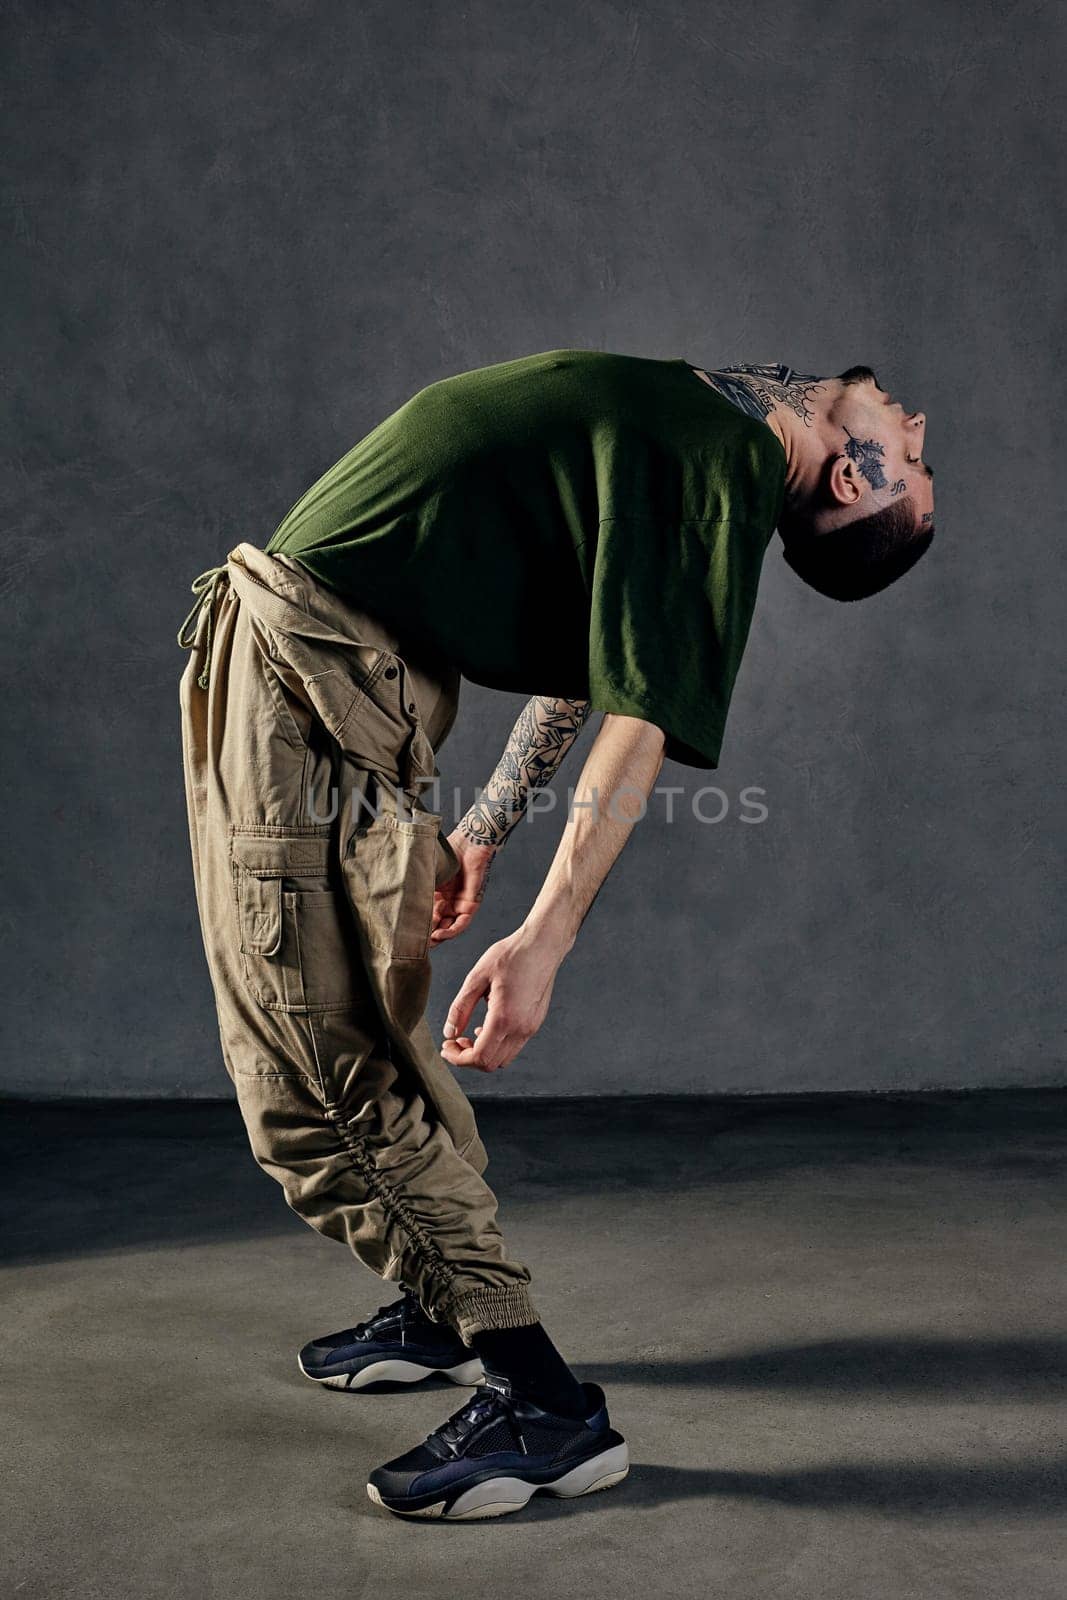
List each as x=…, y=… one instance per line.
x=237, y=235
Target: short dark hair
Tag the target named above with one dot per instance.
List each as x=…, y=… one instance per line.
x=863, y=556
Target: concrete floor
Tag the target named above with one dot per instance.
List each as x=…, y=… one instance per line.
x=833, y=1331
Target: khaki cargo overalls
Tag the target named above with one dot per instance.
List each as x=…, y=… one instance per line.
x=308, y=744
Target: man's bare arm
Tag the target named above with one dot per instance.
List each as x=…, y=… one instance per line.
x=616, y=780
x=516, y=975
x=546, y=729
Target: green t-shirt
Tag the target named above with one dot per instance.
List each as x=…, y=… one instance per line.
x=572, y=523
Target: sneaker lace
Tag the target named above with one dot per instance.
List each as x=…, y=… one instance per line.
x=482, y=1407
x=405, y=1305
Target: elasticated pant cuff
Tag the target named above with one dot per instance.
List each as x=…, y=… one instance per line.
x=481, y=1309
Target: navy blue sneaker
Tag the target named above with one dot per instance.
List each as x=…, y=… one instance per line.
x=498, y=1450
x=398, y=1344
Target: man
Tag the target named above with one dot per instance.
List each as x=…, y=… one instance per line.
x=584, y=526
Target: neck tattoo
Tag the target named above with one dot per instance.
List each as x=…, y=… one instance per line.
x=756, y=390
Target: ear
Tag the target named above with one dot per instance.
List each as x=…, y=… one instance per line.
x=843, y=480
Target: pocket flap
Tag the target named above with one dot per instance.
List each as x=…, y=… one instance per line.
x=289, y=856
x=259, y=901
x=262, y=860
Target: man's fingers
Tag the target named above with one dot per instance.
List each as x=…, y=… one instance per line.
x=459, y=1052
x=498, y=1039
x=490, y=1046
x=451, y=928
x=468, y=1053
x=475, y=985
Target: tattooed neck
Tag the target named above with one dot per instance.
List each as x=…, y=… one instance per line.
x=758, y=390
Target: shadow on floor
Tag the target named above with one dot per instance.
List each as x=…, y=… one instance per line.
x=990, y=1488
x=985, y=1370
x=100, y=1176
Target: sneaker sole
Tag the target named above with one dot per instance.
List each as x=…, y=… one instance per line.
x=496, y=1497
x=468, y=1373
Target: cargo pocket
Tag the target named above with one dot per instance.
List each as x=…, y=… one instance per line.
x=295, y=931
x=390, y=869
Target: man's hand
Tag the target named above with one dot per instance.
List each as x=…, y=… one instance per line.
x=455, y=902
x=516, y=975
x=515, y=978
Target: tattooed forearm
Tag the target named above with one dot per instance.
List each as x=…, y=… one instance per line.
x=756, y=390
x=545, y=731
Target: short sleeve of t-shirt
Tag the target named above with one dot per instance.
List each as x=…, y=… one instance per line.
x=671, y=608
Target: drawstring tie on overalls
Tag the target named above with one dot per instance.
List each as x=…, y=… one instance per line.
x=205, y=587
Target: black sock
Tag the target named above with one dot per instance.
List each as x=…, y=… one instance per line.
x=533, y=1366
